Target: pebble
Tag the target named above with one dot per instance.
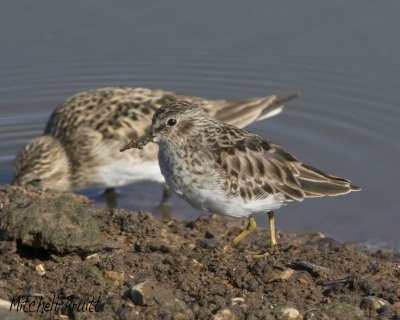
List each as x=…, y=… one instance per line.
x=238, y=299
x=224, y=314
x=136, y=294
x=93, y=256
x=284, y=275
x=288, y=313
x=114, y=276
x=40, y=269
x=151, y=292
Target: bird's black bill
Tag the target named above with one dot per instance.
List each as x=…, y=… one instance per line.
x=138, y=143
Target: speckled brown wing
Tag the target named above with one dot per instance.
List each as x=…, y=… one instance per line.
x=256, y=168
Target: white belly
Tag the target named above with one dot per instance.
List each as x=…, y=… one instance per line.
x=209, y=194
x=122, y=172
x=217, y=201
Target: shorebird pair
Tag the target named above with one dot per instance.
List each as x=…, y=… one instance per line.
x=203, y=155
x=77, y=149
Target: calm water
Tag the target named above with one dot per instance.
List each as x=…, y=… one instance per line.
x=342, y=56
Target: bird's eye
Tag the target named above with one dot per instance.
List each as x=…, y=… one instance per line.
x=171, y=122
x=36, y=181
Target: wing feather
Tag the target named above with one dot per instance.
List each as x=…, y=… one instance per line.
x=256, y=168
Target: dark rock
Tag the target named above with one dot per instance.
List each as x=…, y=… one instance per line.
x=61, y=224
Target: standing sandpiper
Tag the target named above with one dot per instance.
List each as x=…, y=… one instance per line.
x=222, y=169
x=77, y=150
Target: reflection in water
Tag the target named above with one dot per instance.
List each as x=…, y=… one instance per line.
x=345, y=121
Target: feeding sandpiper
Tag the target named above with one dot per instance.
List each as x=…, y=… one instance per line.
x=223, y=169
x=77, y=150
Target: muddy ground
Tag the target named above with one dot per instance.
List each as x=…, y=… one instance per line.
x=131, y=265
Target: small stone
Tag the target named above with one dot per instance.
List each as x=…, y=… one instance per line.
x=40, y=269
x=150, y=293
x=195, y=265
x=238, y=300
x=310, y=316
x=224, y=314
x=136, y=294
x=288, y=313
x=303, y=281
x=372, y=303
x=114, y=276
x=93, y=256
x=180, y=316
x=284, y=275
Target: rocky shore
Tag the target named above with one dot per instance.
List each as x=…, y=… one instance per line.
x=63, y=258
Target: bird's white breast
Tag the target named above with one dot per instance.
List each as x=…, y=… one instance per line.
x=123, y=172
x=209, y=195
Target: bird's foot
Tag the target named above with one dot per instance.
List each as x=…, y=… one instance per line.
x=258, y=254
x=228, y=246
x=165, y=213
x=261, y=254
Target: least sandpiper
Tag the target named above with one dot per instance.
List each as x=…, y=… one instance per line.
x=223, y=169
x=77, y=150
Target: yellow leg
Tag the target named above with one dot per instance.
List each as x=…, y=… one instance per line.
x=272, y=229
x=272, y=238
x=250, y=228
x=163, y=206
x=111, y=198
